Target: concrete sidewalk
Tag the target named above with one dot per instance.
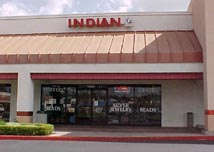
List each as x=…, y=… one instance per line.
x=122, y=131
x=120, y=134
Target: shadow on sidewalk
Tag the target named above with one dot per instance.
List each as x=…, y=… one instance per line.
x=123, y=131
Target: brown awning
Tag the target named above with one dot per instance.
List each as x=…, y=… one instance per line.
x=113, y=47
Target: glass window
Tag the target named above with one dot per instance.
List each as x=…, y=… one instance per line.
x=122, y=105
x=99, y=99
x=129, y=105
x=149, y=105
x=84, y=104
x=53, y=102
x=121, y=100
x=71, y=105
x=5, y=95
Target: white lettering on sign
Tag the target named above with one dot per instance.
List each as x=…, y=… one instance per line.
x=155, y=110
x=49, y=89
x=120, y=107
x=51, y=108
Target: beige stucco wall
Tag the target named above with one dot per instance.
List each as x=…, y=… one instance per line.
x=209, y=54
x=27, y=97
x=178, y=98
x=198, y=14
x=141, y=21
x=203, y=24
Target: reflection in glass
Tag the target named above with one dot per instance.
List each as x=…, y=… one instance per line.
x=5, y=95
x=121, y=99
x=99, y=98
x=57, y=103
x=114, y=105
x=84, y=106
x=149, y=104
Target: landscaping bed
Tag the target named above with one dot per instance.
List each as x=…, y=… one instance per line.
x=30, y=129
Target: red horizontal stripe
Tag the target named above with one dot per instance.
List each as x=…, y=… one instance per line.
x=116, y=76
x=109, y=139
x=24, y=113
x=209, y=112
x=8, y=76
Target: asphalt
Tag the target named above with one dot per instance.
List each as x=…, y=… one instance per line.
x=76, y=146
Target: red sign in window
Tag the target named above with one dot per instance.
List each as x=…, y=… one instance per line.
x=121, y=89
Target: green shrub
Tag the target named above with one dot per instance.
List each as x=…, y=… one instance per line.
x=26, y=129
x=2, y=122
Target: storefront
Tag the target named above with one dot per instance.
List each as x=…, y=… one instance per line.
x=133, y=69
x=102, y=104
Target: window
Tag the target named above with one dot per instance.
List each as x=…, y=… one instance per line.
x=121, y=99
x=5, y=95
x=58, y=102
x=103, y=104
x=149, y=105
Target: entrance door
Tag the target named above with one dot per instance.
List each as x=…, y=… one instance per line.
x=99, y=100
x=91, y=106
x=84, y=107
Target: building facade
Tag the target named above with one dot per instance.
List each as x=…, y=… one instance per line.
x=144, y=69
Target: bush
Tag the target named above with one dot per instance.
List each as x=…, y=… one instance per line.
x=2, y=122
x=26, y=129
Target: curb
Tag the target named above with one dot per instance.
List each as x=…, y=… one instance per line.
x=111, y=139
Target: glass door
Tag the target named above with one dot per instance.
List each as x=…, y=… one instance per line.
x=99, y=100
x=84, y=107
x=71, y=105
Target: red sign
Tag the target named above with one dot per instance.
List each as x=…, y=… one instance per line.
x=97, y=22
x=121, y=89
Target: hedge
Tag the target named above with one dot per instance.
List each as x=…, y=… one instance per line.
x=2, y=122
x=26, y=129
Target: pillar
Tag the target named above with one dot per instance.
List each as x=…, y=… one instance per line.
x=25, y=98
x=13, y=103
x=208, y=66
x=203, y=25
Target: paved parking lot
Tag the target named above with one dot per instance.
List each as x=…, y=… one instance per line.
x=65, y=146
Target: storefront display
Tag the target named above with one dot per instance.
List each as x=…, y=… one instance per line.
x=120, y=100
x=5, y=94
x=99, y=99
x=106, y=104
x=59, y=103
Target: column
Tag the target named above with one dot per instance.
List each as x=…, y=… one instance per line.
x=208, y=66
x=13, y=103
x=25, y=98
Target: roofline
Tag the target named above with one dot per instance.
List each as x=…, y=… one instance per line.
x=97, y=15
x=95, y=32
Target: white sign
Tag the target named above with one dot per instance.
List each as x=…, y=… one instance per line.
x=120, y=107
x=149, y=110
